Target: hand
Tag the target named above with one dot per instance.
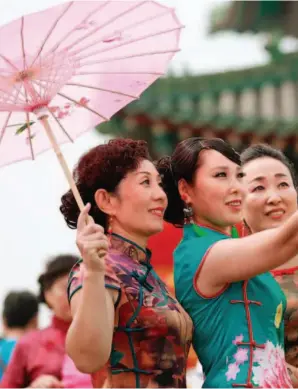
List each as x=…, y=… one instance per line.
x=293, y=373
x=46, y=381
x=92, y=242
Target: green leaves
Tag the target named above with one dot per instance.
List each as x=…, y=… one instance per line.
x=23, y=128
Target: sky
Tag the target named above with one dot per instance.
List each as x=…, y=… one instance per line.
x=31, y=227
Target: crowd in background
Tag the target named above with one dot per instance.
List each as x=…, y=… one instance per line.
x=33, y=357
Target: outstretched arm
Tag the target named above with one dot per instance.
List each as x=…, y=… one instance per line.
x=233, y=260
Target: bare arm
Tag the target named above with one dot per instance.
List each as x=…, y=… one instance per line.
x=235, y=260
x=89, y=338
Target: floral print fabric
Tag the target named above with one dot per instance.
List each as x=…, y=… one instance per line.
x=239, y=332
x=268, y=365
x=288, y=280
x=153, y=333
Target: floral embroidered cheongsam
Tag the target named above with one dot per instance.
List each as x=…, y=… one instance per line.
x=239, y=332
x=152, y=334
x=288, y=281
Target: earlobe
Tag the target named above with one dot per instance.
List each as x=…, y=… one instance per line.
x=103, y=201
x=183, y=191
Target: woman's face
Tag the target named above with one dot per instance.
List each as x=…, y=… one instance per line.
x=56, y=298
x=140, y=203
x=270, y=195
x=216, y=194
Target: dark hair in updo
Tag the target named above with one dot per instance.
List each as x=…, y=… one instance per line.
x=183, y=165
x=263, y=150
x=102, y=167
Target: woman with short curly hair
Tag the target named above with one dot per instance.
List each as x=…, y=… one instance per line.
x=124, y=319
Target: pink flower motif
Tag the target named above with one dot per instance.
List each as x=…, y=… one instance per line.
x=241, y=356
x=238, y=339
x=258, y=356
x=61, y=114
x=83, y=102
x=269, y=369
x=233, y=370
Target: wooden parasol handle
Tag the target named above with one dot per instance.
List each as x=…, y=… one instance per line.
x=45, y=122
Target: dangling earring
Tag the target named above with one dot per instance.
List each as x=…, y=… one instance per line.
x=110, y=230
x=188, y=212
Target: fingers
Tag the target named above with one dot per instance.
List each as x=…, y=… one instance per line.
x=54, y=383
x=93, y=236
x=47, y=382
x=86, y=224
x=91, y=229
x=58, y=384
x=91, y=240
x=83, y=217
x=101, y=245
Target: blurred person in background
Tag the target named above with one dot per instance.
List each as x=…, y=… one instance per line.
x=38, y=357
x=20, y=315
x=72, y=377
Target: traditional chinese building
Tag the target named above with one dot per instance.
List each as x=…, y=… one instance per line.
x=244, y=106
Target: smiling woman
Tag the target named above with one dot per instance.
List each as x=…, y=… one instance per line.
x=223, y=283
x=271, y=199
x=127, y=329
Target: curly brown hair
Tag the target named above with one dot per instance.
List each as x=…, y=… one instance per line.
x=102, y=167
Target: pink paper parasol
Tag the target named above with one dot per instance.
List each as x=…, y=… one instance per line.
x=67, y=69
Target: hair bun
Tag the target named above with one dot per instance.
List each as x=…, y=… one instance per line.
x=174, y=212
x=69, y=209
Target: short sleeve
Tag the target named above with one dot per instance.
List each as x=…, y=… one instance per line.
x=76, y=277
x=188, y=258
x=75, y=280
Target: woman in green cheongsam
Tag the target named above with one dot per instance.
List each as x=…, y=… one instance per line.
x=223, y=283
x=270, y=199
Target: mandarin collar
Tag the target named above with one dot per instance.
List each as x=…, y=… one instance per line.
x=201, y=230
x=130, y=248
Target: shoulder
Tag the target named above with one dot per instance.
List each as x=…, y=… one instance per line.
x=113, y=267
x=191, y=253
x=194, y=246
x=31, y=338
